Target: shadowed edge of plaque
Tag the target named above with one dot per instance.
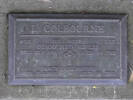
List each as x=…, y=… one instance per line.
x=11, y=51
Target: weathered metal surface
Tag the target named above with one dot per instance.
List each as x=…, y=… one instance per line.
x=67, y=49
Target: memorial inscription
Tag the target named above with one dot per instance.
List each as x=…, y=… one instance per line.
x=67, y=49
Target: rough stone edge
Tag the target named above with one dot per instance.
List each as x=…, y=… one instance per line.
x=9, y=98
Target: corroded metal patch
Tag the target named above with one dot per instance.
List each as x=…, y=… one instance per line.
x=67, y=49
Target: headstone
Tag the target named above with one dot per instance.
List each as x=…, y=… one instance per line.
x=67, y=49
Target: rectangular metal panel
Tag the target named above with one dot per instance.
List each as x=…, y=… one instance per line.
x=67, y=49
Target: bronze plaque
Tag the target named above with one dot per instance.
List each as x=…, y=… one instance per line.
x=67, y=49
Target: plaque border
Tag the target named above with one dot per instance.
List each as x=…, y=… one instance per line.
x=123, y=51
